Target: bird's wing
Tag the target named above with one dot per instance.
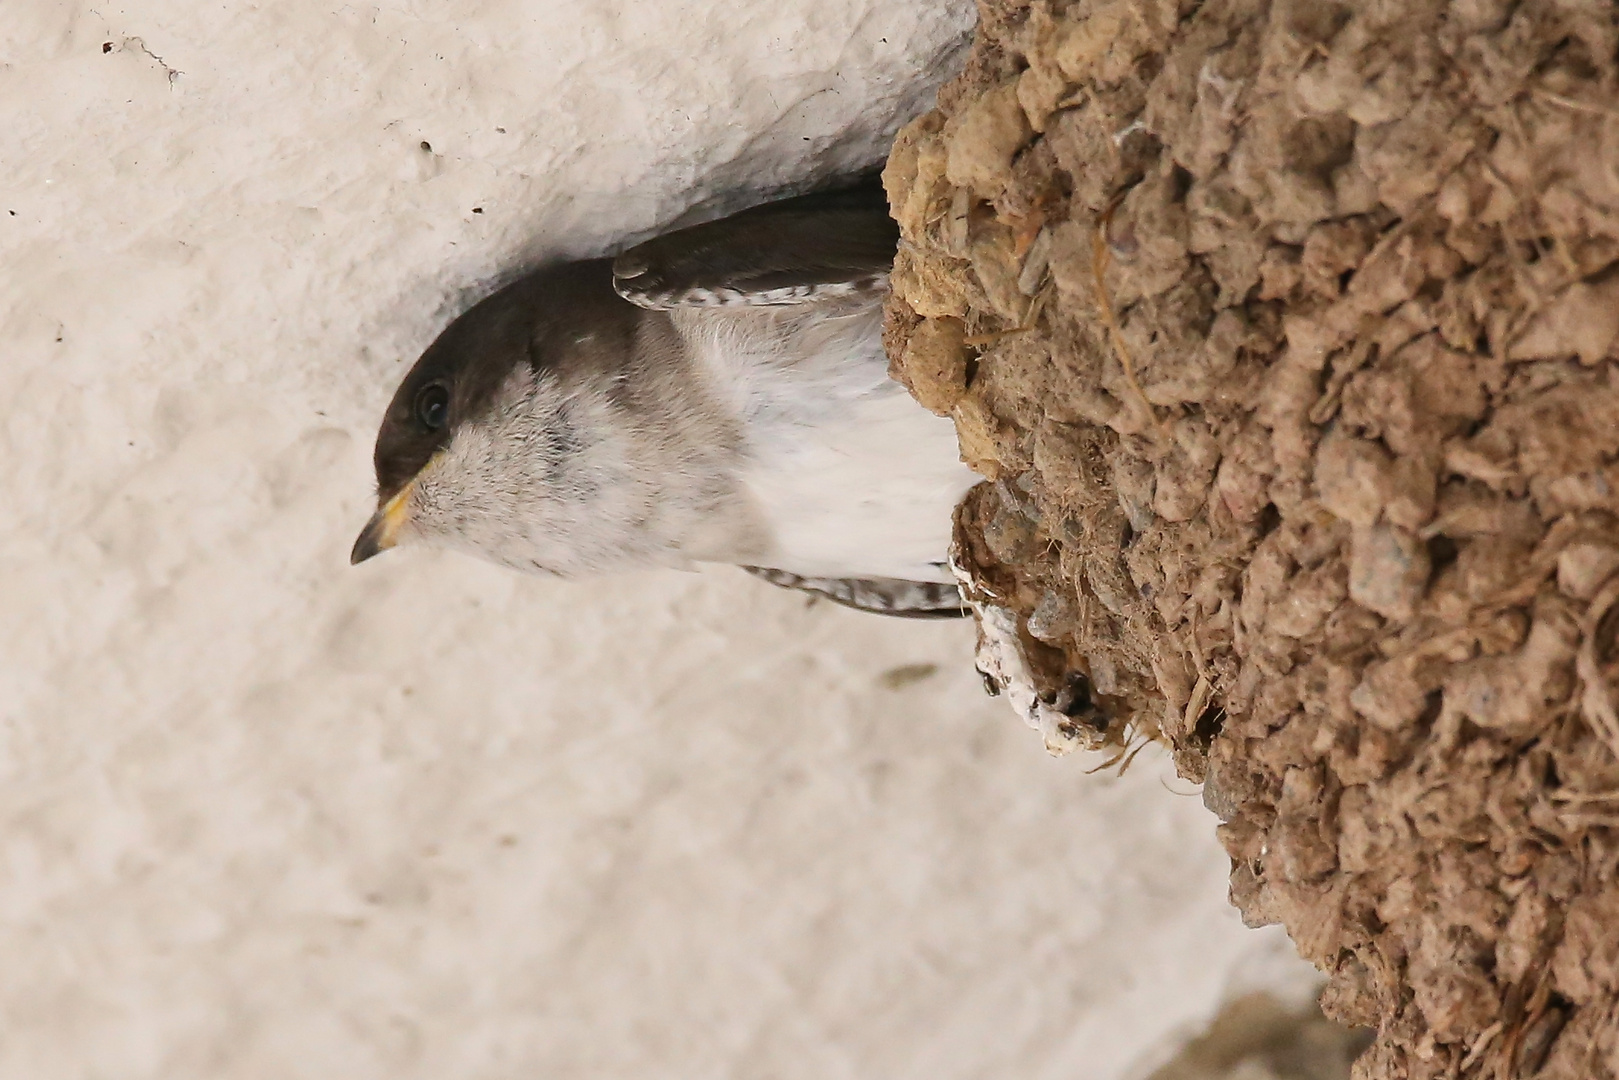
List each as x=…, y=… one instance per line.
x=796, y=251
x=880, y=596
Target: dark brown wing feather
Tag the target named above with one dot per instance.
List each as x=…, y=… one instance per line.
x=880, y=596
x=794, y=251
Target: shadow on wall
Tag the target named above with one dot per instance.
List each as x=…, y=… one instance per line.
x=1256, y=1037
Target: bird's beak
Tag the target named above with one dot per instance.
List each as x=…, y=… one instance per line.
x=382, y=531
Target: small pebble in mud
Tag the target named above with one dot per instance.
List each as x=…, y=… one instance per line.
x=1051, y=616
x=1011, y=535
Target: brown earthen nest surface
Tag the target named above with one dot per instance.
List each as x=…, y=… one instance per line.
x=1288, y=336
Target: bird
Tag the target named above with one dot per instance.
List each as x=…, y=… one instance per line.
x=716, y=394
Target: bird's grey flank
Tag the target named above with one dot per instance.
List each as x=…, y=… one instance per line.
x=718, y=394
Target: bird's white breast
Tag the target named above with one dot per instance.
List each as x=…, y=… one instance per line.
x=852, y=477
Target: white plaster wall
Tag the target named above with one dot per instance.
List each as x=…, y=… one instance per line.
x=265, y=815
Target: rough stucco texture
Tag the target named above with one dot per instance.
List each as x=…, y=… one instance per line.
x=264, y=815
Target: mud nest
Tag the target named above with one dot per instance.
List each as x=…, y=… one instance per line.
x=1287, y=334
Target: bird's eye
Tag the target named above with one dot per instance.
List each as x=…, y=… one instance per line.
x=433, y=406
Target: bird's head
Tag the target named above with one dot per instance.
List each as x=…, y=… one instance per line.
x=521, y=434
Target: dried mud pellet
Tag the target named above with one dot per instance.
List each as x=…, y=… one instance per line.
x=1134, y=483
x=1584, y=321
x=1039, y=90
x=978, y=432
x=935, y=364
x=1584, y=566
x=983, y=140
x=914, y=174
x=1388, y=570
